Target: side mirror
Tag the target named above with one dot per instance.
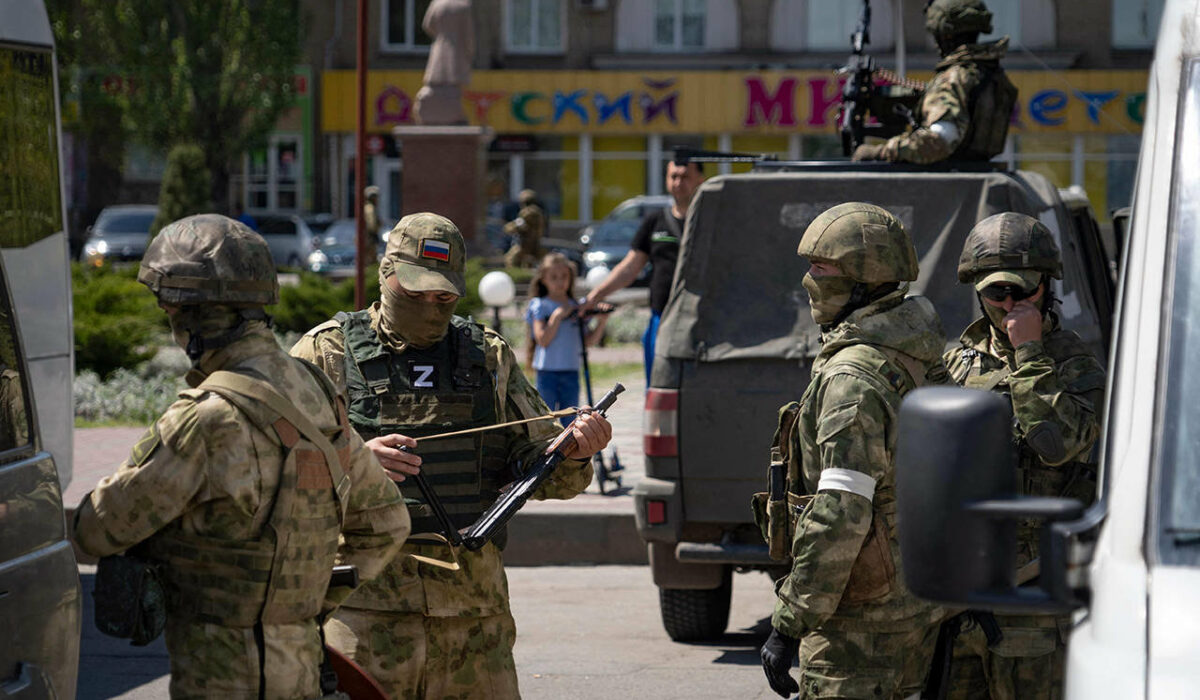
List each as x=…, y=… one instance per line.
x=958, y=506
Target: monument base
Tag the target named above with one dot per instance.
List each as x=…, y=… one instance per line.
x=443, y=172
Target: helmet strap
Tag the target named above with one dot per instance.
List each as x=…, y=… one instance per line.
x=198, y=345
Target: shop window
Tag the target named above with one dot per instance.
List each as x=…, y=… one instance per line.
x=534, y=26
x=1135, y=23
x=828, y=24
x=402, y=25
x=677, y=25
x=272, y=175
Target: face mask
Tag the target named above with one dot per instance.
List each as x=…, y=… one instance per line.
x=995, y=315
x=418, y=323
x=828, y=296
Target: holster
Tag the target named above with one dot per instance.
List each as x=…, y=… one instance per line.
x=130, y=602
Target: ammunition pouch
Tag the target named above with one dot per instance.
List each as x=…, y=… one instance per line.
x=129, y=599
x=777, y=511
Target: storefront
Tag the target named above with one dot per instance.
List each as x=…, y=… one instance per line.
x=586, y=140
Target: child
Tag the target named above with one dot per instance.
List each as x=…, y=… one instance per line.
x=554, y=325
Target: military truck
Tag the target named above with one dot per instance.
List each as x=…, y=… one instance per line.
x=737, y=341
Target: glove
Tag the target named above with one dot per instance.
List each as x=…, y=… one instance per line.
x=778, y=653
x=868, y=151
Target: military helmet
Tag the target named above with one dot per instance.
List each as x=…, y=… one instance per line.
x=527, y=197
x=209, y=259
x=1009, y=241
x=867, y=242
x=951, y=17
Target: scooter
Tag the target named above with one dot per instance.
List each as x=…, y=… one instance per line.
x=610, y=472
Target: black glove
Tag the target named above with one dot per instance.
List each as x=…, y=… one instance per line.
x=778, y=653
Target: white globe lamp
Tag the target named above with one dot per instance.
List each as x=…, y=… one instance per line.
x=596, y=276
x=496, y=289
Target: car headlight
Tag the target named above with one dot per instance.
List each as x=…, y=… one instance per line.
x=595, y=257
x=317, y=260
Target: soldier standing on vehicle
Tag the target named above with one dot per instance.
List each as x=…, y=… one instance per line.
x=1056, y=385
x=528, y=228
x=656, y=242
x=410, y=368
x=965, y=111
x=844, y=607
x=243, y=487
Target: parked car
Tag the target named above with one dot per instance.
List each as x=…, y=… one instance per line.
x=737, y=341
x=336, y=251
x=289, y=237
x=120, y=234
x=607, y=241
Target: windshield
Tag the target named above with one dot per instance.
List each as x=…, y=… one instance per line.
x=613, y=234
x=125, y=223
x=1179, y=440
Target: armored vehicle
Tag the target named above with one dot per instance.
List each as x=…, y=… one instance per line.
x=737, y=342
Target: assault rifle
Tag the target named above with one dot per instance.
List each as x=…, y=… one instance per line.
x=891, y=106
x=505, y=507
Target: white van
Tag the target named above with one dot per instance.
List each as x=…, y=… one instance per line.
x=1128, y=566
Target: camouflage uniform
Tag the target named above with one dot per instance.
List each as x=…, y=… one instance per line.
x=204, y=488
x=1056, y=386
x=964, y=112
x=420, y=630
x=14, y=423
x=864, y=635
x=371, y=224
x=529, y=227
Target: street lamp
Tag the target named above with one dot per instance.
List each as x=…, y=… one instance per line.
x=595, y=276
x=496, y=289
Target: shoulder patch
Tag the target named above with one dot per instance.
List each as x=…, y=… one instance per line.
x=328, y=325
x=145, y=446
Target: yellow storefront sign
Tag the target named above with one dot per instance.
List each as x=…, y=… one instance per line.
x=710, y=102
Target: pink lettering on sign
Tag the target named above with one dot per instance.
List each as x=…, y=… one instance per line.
x=482, y=102
x=823, y=99
x=393, y=106
x=763, y=107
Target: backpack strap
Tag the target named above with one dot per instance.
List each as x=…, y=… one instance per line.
x=238, y=387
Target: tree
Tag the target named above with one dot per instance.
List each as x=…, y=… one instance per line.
x=185, y=186
x=215, y=73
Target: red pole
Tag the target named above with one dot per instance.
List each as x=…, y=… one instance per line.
x=360, y=164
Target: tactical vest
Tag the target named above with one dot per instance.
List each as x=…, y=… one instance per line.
x=282, y=576
x=990, y=105
x=978, y=370
x=419, y=392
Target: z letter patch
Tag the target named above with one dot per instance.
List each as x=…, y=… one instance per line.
x=422, y=376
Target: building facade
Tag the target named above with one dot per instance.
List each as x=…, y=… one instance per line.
x=588, y=98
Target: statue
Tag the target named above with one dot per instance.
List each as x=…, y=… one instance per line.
x=439, y=102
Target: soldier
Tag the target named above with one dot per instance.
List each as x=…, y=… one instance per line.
x=371, y=223
x=529, y=226
x=844, y=607
x=409, y=368
x=1056, y=385
x=242, y=488
x=964, y=113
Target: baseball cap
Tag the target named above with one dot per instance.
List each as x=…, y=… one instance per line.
x=1025, y=279
x=426, y=253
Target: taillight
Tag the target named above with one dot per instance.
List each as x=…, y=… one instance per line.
x=659, y=423
x=656, y=512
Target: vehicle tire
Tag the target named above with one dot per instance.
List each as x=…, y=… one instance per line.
x=691, y=615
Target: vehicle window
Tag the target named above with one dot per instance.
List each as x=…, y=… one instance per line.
x=126, y=223
x=629, y=213
x=277, y=227
x=614, y=235
x=1179, y=437
x=1096, y=270
x=14, y=418
x=30, y=198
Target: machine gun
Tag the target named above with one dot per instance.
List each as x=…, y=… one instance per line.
x=890, y=106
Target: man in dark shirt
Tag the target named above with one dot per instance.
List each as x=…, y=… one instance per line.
x=656, y=242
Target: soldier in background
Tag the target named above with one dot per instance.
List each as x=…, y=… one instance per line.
x=844, y=607
x=371, y=224
x=965, y=111
x=243, y=487
x=409, y=368
x=528, y=227
x=1020, y=350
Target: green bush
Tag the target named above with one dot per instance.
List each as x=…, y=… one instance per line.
x=186, y=186
x=316, y=299
x=117, y=320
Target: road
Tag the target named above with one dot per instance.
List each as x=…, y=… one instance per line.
x=582, y=632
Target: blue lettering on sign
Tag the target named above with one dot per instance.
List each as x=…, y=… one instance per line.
x=1044, y=106
x=1095, y=102
x=605, y=108
x=564, y=103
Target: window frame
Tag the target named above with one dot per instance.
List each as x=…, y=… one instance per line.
x=18, y=452
x=677, y=45
x=272, y=184
x=534, y=49
x=1145, y=43
x=414, y=25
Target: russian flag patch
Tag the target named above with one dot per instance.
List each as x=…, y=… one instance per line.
x=435, y=249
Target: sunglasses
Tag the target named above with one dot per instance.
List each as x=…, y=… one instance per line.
x=1000, y=292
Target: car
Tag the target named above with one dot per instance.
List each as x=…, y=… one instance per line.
x=607, y=241
x=336, y=251
x=289, y=237
x=120, y=234
x=737, y=341
x=1127, y=567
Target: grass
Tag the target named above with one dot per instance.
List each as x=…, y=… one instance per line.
x=604, y=375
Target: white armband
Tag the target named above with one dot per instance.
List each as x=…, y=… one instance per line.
x=947, y=132
x=834, y=479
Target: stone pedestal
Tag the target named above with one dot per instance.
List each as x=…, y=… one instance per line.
x=443, y=172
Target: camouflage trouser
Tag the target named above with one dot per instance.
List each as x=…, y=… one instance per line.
x=212, y=661
x=525, y=253
x=857, y=664
x=1027, y=663
x=413, y=656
